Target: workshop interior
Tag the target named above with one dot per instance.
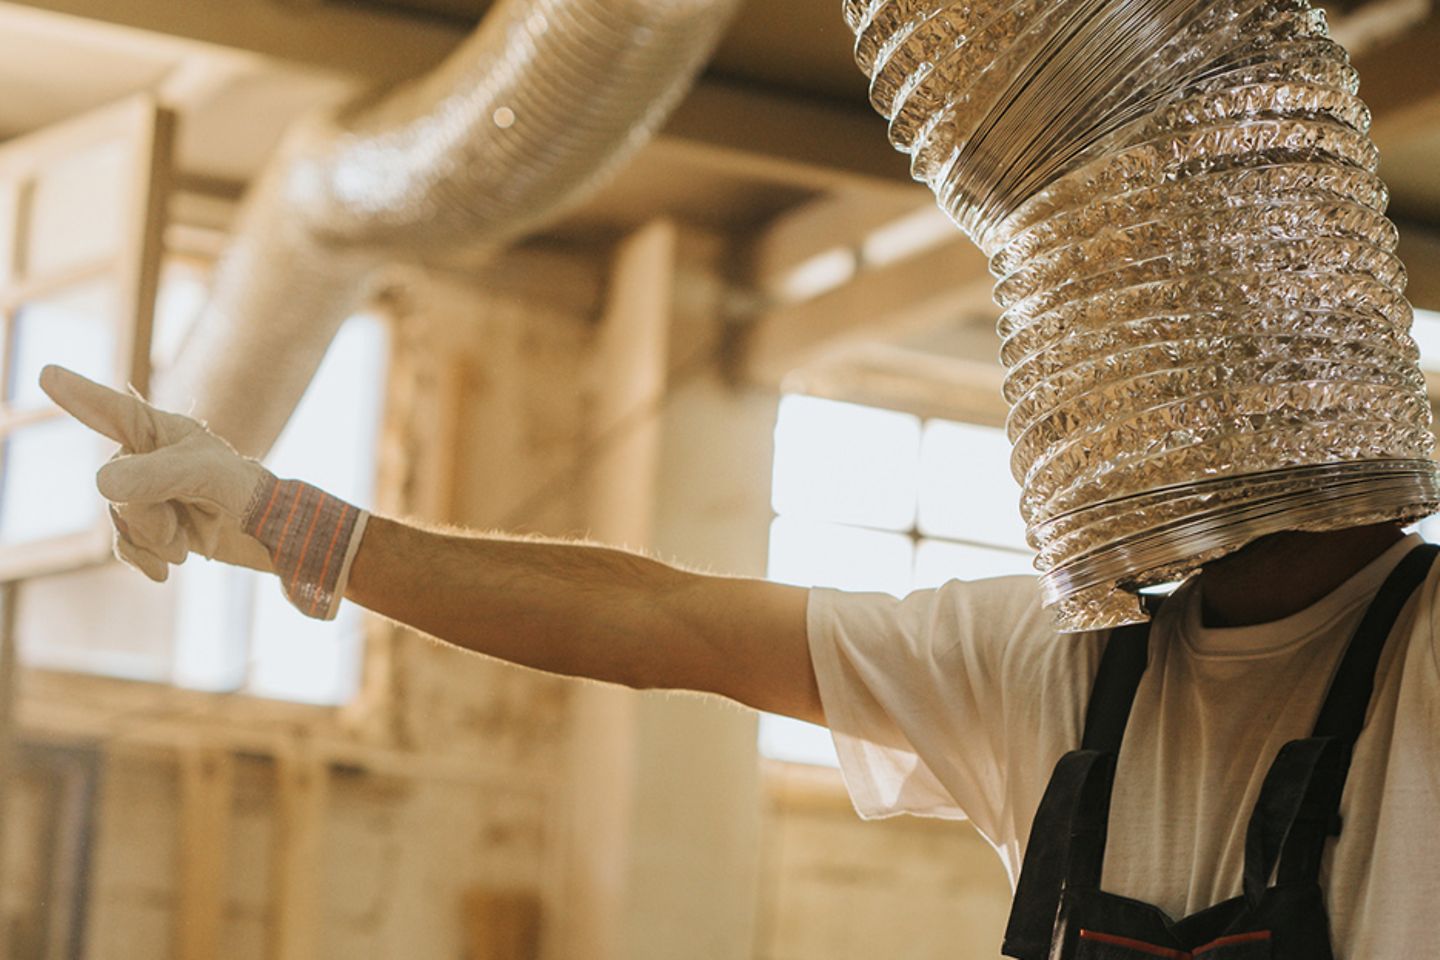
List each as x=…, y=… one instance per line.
x=783, y=289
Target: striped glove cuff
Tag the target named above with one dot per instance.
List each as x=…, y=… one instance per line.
x=312, y=538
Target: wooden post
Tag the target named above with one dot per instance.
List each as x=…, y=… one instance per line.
x=207, y=789
x=8, y=693
x=630, y=364
x=301, y=782
x=502, y=925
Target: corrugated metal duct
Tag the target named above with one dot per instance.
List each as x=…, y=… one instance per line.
x=530, y=115
x=1204, y=317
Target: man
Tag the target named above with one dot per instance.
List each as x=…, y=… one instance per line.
x=952, y=702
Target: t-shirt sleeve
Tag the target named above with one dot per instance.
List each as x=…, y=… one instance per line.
x=915, y=693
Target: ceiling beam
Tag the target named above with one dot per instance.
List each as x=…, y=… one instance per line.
x=373, y=46
x=1398, y=92
x=944, y=285
x=1363, y=26
x=915, y=381
x=776, y=137
x=822, y=244
x=827, y=144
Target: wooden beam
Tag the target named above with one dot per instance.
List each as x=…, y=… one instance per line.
x=925, y=384
x=301, y=787
x=56, y=707
x=8, y=684
x=373, y=45
x=1376, y=23
x=1401, y=85
x=816, y=143
x=207, y=790
x=631, y=360
x=945, y=284
x=501, y=924
x=783, y=258
x=631, y=356
x=774, y=137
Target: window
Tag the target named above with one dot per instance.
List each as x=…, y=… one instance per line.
x=78, y=258
x=212, y=627
x=234, y=630
x=878, y=500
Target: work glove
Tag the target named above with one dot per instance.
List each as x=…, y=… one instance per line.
x=175, y=487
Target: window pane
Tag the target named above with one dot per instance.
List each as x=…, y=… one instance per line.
x=179, y=303
x=784, y=738
x=1426, y=332
x=846, y=463
x=295, y=658
x=106, y=619
x=330, y=442
x=966, y=491
x=77, y=210
x=212, y=624
x=811, y=554
x=937, y=562
x=49, y=481
x=74, y=328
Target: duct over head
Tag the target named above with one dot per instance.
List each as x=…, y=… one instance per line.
x=528, y=117
x=1203, y=314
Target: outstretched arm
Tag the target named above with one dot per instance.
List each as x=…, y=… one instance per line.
x=569, y=608
x=591, y=611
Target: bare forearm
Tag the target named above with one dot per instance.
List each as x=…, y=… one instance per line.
x=590, y=611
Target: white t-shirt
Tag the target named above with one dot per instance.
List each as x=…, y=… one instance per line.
x=957, y=702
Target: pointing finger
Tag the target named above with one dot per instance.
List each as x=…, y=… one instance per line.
x=120, y=417
x=123, y=417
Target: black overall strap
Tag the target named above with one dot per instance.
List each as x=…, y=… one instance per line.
x=1067, y=838
x=1070, y=820
x=1113, y=693
x=1343, y=714
x=1296, y=808
x=1299, y=805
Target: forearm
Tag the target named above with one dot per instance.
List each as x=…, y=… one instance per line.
x=568, y=608
x=590, y=611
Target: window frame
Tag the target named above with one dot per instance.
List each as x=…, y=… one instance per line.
x=146, y=131
x=927, y=386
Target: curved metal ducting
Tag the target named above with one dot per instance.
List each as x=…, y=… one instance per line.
x=529, y=116
x=1204, y=317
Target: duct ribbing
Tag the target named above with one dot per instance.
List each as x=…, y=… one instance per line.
x=530, y=115
x=1203, y=315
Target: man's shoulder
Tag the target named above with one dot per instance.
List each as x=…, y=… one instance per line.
x=1004, y=618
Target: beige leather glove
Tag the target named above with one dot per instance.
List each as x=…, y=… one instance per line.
x=175, y=487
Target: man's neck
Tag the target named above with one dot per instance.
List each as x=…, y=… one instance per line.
x=1284, y=573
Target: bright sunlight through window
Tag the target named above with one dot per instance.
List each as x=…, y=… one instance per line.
x=874, y=500
x=234, y=629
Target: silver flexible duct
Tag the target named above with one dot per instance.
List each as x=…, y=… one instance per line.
x=528, y=117
x=1204, y=320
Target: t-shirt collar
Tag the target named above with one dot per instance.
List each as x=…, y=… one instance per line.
x=1263, y=638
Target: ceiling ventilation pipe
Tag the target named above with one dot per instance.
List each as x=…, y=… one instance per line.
x=1204, y=319
x=531, y=114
